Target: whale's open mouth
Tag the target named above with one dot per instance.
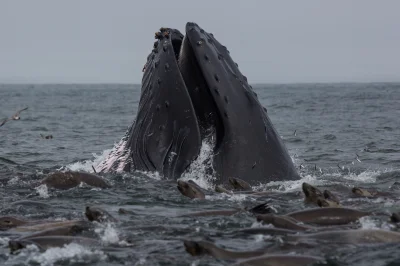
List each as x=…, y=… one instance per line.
x=207, y=112
x=191, y=90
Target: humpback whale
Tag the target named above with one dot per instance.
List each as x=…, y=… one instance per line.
x=192, y=90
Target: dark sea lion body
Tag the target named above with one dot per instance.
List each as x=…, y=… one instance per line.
x=351, y=236
x=282, y=221
x=67, y=180
x=239, y=184
x=324, y=203
x=280, y=260
x=331, y=197
x=362, y=192
x=190, y=190
x=7, y=222
x=311, y=193
x=395, y=217
x=259, y=209
x=98, y=215
x=266, y=231
x=314, y=196
x=199, y=248
x=34, y=226
x=213, y=213
x=328, y=216
x=71, y=229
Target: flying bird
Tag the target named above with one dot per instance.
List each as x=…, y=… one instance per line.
x=14, y=117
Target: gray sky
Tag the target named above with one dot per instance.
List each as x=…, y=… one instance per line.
x=98, y=41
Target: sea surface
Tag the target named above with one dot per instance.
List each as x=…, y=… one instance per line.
x=323, y=126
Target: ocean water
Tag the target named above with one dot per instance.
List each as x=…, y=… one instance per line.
x=333, y=123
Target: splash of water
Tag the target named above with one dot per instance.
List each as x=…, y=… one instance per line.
x=201, y=170
x=73, y=251
x=43, y=191
x=87, y=164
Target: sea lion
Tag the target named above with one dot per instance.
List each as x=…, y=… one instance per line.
x=395, y=217
x=280, y=260
x=315, y=196
x=284, y=222
x=222, y=189
x=34, y=226
x=71, y=229
x=351, y=236
x=265, y=231
x=46, y=137
x=239, y=184
x=259, y=209
x=7, y=222
x=198, y=248
x=311, y=193
x=190, y=190
x=360, y=192
x=45, y=242
x=328, y=195
x=328, y=216
x=324, y=203
x=98, y=215
x=69, y=179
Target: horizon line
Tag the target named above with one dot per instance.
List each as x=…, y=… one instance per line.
x=252, y=83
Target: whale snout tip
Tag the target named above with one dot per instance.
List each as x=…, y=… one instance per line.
x=190, y=25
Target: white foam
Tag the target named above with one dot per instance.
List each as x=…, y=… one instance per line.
x=4, y=241
x=289, y=185
x=13, y=181
x=141, y=261
x=43, y=191
x=74, y=252
x=107, y=233
x=197, y=170
x=368, y=223
x=87, y=164
x=154, y=175
x=233, y=198
x=366, y=176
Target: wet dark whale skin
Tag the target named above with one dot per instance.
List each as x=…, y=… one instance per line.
x=166, y=122
x=250, y=149
x=169, y=127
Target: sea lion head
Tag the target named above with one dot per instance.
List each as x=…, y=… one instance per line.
x=325, y=203
x=361, y=192
x=395, y=218
x=311, y=193
x=18, y=244
x=98, y=215
x=330, y=196
x=193, y=248
x=239, y=184
x=190, y=190
x=7, y=222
